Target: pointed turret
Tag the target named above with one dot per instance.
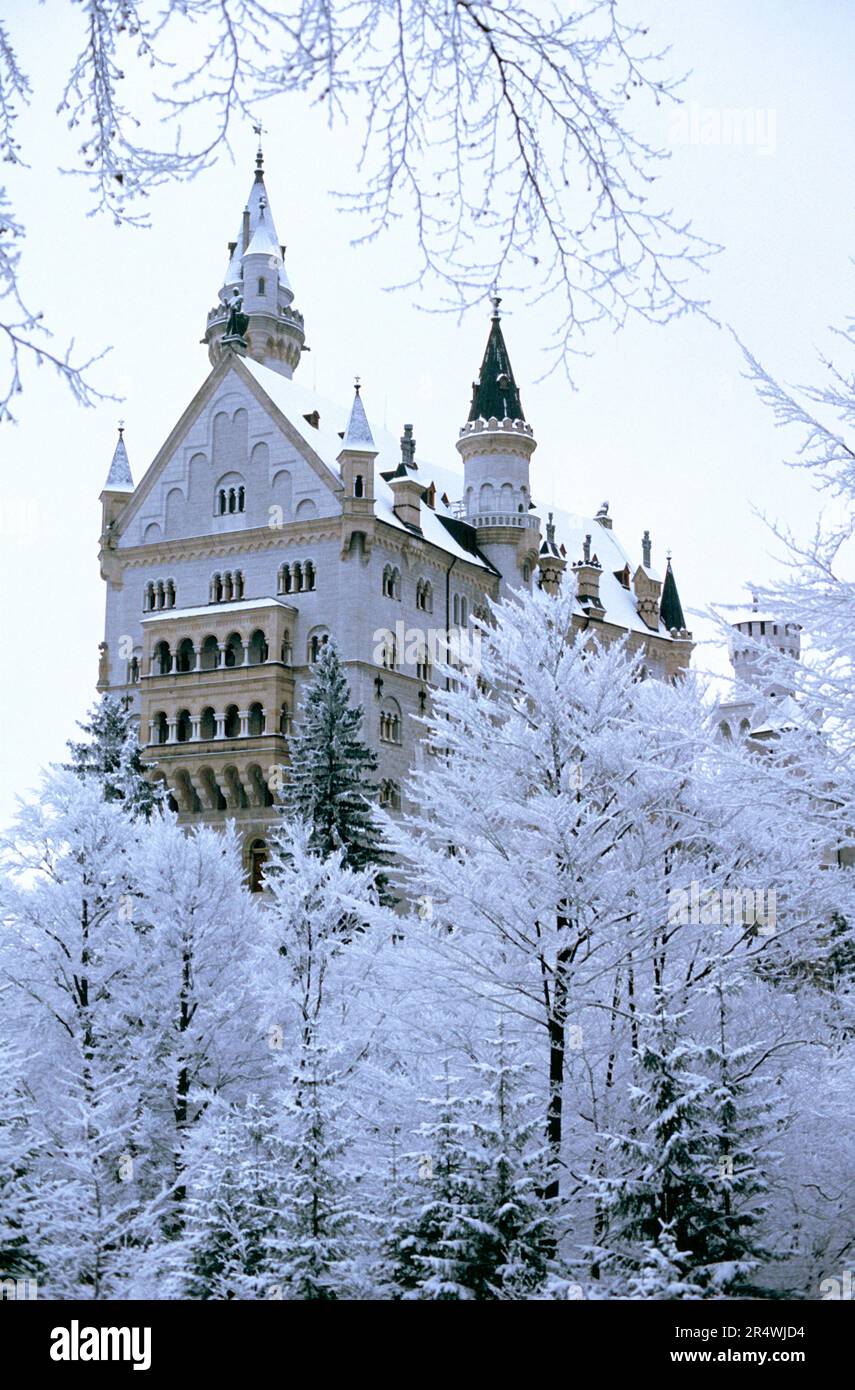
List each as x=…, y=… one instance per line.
x=115, y=495
x=671, y=609
x=356, y=463
x=496, y=445
x=495, y=393
x=120, y=478
x=256, y=286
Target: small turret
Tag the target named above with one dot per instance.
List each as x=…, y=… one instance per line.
x=496, y=445
x=114, y=497
x=588, y=571
x=273, y=332
x=356, y=463
x=753, y=633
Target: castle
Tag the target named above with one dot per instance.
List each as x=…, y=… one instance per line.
x=271, y=522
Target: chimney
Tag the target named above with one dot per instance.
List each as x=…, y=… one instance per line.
x=603, y=516
x=645, y=550
x=588, y=571
x=407, y=490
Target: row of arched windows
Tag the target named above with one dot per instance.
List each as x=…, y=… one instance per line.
x=424, y=595
x=232, y=722
x=296, y=578
x=157, y=594
x=224, y=588
x=231, y=499
x=211, y=654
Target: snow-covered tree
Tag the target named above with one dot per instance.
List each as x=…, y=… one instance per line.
x=330, y=763
x=111, y=755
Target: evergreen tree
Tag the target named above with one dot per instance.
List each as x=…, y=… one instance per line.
x=329, y=762
x=448, y=1251
x=111, y=754
x=515, y=1164
x=235, y=1165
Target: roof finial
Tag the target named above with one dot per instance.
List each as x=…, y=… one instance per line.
x=495, y=300
x=121, y=428
x=357, y=384
x=646, y=546
x=550, y=529
x=259, y=157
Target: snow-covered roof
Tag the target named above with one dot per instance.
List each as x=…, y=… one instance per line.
x=233, y=605
x=357, y=436
x=120, y=478
x=295, y=401
x=263, y=239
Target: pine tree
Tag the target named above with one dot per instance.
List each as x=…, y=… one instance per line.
x=111, y=754
x=235, y=1164
x=515, y=1164
x=329, y=763
x=448, y=1250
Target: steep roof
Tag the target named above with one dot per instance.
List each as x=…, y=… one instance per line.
x=120, y=478
x=495, y=394
x=671, y=609
x=357, y=436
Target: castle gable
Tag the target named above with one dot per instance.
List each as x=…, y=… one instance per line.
x=233, y=462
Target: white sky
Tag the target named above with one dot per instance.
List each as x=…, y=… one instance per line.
x=661, y=425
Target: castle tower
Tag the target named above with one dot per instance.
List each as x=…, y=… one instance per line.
x=256, y=286
x=496, y=445
x=356, y=464
x=752, y=633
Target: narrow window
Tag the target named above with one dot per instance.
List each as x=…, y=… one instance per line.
x=358, y=486
x=261, y=284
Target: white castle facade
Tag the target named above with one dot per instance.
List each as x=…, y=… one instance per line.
x=270, y=522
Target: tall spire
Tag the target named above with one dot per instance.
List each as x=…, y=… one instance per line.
x=495, y=394
x=358, y=437
x=671, y=609
x=256, y=274
x=120, y=478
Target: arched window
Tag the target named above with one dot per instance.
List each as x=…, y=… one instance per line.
x=232, y=499
x=210, y=654
x=308, y=575
x=257, y=648
x=215, y=591
x=423, y=666
x=284, y=720
x=317, y=642
x=359, y=486
x=208, y=723
x=390, y=796
x=526, y=572
x=256, y=720
x=162, y=659
x=237, y=584
x=725, y=730
x=221, y=501
x=284, y=579
x=464, y=611
x=148, y=598
x=158, y=594
x=133, y=670
x=390, y=651
x=185, y=657
x=286, y=649
x=232, y=722
x=390, y=722
x=391, y=582
x=298, y=577
x=228, y=594
x=241, y=498
x=170, y=593
x=161, y=727
x=456, y=610
x=257, y=860
x=183, y=726
x=234, y=650
x=261, y=284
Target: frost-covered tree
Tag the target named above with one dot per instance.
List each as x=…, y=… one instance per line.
x=569, y=202
x=447, y=1251
x=236, y=1166
x=192, y=1022
x=329, y=765
x=111, y=755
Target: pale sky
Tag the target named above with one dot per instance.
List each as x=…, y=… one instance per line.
x=661, y=423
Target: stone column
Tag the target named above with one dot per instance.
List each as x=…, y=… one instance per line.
x=172, y=730
x=221, y=647
x=243, y=715
x=197, y=649
x=195, y=723
x=152, y=731
x=246, y=653
x=220, y=721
